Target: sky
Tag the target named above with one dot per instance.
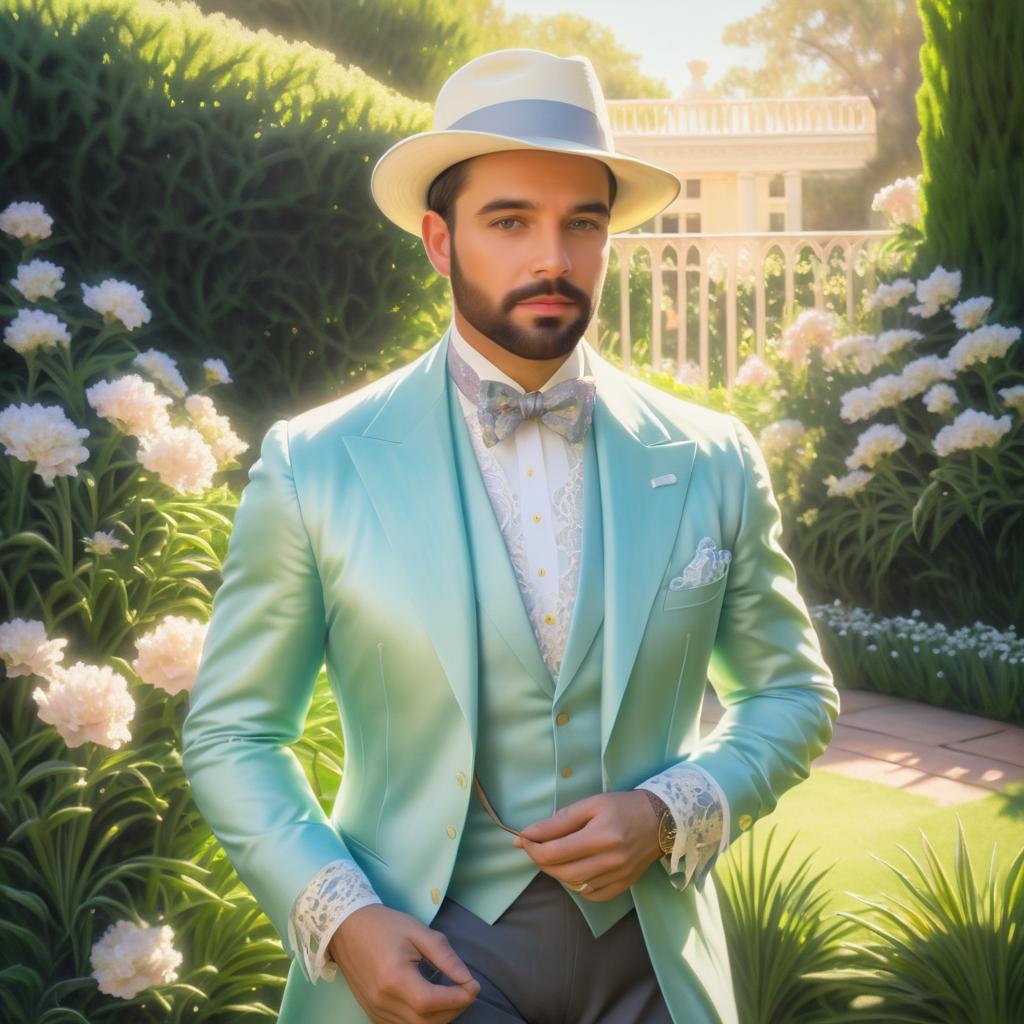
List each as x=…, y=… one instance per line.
x=665, y=33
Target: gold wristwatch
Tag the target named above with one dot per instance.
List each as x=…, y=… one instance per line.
x=666, y=823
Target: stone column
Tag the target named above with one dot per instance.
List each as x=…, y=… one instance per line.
x=794, y=200
x=748, y=201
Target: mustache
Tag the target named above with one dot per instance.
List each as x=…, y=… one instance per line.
x=557, y=287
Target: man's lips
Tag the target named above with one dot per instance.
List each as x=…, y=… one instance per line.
x=548, y=303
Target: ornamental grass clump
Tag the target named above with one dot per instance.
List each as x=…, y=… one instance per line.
x=950, y=949
x=782, y=943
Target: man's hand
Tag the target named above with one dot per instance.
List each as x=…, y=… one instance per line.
x=378, y=950
x=608, y=840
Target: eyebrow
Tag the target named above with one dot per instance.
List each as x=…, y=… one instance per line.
x=525, y=204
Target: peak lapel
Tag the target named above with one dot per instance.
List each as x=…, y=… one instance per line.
x=406, y=461
x=640, y=522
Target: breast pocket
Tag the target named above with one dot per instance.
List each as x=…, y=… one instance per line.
x=688, y=597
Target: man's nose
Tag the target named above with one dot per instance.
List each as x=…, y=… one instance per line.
x=552, y=255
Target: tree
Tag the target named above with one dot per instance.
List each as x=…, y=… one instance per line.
x=840, y=47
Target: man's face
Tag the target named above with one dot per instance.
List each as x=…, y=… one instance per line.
x=530, y=249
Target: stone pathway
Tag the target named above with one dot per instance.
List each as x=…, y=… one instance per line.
x=947, y=756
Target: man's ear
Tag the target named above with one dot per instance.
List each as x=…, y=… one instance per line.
x=436, y=242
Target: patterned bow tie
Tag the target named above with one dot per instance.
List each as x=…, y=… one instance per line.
x=567, y=408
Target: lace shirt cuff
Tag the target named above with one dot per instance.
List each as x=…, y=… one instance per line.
x=338, y=889
x=701, y=814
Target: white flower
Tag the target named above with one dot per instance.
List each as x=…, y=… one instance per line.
x=858, y=347
x=216, y=371
x=886, y=296
x=938, y=289
x=900, y=201
x=180, y=457
x=26, y=651
x=128, y=958
x=892, y=341
x=779, y=437
x=162, y=368
x=215, y=428
x=38, y=279
x=940, y=398
x=754, y=372
x=878, y=440
x=1013, y=397
x=168, y=655
x=132, y=404
x=889, y=390
x=920, y=374
x=971, y=429
x=989, y=341
x=103, y=542
x=27, y=221
x=33, y=329
x=845, y=486
x=858, y=404
x=87, y=703
x=690, y=375
x=43, y=434
x=813, y=328
x=971, y=313
x=117, y=300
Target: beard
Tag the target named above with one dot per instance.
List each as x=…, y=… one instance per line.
x=550, y=337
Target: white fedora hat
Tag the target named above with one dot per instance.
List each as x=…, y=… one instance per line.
x=517, y=99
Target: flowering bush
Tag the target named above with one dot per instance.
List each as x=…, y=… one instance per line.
x=112, y=533
x=897, y=445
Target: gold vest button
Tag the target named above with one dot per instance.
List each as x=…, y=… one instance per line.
x=435, y=895
x=745, y=821
x=461, y=776
x=451, y=832
x=566, y=772
x=562, y=718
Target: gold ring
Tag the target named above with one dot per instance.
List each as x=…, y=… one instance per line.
x=580, y=887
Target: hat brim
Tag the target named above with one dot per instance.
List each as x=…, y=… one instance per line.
x=403, y=174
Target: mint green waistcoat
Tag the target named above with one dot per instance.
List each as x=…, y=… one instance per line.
x=522, y=751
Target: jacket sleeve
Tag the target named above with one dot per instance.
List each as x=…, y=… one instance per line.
x=777, y=692
x=263, y=650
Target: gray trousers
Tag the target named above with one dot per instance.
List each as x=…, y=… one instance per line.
x=540, y=964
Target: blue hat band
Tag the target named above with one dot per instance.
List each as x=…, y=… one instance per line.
x=537, y=118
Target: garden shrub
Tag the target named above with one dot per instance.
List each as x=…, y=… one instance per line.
x=229, y=170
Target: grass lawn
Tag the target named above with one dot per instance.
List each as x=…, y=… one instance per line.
x=842, y=821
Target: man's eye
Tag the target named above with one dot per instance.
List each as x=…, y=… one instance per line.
x=589, y=223
x=505, y=220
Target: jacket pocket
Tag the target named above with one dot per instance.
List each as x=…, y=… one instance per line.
x=687, y=597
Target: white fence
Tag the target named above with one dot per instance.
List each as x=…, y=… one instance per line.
x=831, y=115
x=717, y=266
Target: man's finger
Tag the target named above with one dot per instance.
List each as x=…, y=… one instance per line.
x=568, y=819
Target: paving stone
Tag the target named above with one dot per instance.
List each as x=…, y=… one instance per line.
x=858, y=700
x=943, y=762
x=922, y=723
x=943, y=792
x=1006, y=745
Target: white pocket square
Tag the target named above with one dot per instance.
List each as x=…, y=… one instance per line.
x=707, y=565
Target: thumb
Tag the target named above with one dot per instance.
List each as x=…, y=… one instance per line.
x=434, y=945
x=561, y=823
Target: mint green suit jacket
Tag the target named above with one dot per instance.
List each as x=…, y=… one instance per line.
x=349, y=540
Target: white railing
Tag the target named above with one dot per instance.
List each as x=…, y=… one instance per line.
x=723, y=262
x=830, y=115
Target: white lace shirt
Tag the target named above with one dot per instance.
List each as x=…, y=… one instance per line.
x=534, y=472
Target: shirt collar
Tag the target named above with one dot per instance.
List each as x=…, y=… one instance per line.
x=575, y=364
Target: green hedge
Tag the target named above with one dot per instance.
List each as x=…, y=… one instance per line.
x=971, y=109
x=226, y=172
